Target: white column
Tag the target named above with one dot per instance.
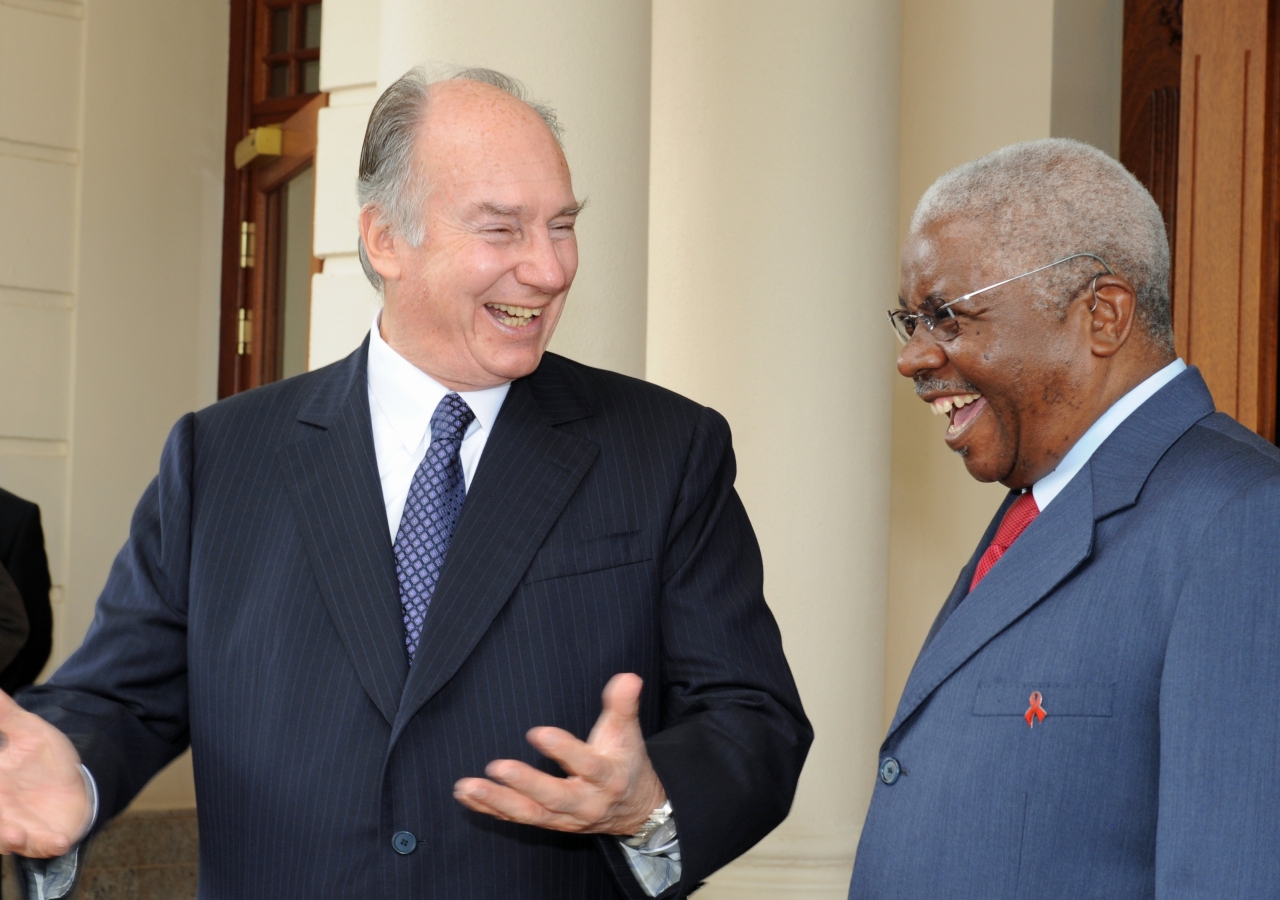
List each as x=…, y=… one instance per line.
x=342, y=300
x=773, y=218
x=590, y=61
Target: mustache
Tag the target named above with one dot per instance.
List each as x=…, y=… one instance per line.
x=925, y=384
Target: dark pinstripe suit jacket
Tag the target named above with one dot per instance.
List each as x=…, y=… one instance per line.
x=1142, y=605
x=254, y=613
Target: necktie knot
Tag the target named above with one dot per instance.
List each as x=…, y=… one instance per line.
x=450, y=420
x=1017, y=517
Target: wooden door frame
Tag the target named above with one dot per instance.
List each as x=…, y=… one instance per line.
x=1228, y=226
x=244, y=200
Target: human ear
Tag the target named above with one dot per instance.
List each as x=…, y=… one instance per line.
x=1114, y=308
x=380, y=244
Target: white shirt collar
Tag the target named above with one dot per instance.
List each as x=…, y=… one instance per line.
x=1052, y=484
x=408, y=396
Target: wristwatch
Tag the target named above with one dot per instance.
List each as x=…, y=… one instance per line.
x=658, y=831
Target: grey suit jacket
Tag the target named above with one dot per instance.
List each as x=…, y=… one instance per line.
x=1142, y=605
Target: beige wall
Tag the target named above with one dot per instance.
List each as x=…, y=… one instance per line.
x=111, y=125
x=1088, y=44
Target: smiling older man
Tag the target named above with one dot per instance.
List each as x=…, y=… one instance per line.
x=355, y=592
x=1092, y=714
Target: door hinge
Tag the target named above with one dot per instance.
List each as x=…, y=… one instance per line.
x=248, y=244
x=244, y=332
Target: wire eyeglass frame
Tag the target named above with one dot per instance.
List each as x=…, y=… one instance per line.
x=942, y=322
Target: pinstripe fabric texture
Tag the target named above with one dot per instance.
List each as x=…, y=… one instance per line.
x=1141, y=606
x=254, y=613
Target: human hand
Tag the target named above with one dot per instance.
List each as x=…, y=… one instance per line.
x=45, y=807
x=611, y=789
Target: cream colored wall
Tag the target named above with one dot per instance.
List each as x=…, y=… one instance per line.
x=342, y=301
x=772, y=249
x=41, y=49
x=111, y=124
x=1088, y=45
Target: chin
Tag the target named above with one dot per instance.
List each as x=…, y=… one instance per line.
x=983, y=468
x=513, y=366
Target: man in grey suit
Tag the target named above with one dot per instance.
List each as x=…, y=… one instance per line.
x=1094, y=711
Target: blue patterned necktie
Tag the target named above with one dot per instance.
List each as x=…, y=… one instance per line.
x=430, y=514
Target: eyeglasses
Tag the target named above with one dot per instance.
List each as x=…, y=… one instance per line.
x=942, y=322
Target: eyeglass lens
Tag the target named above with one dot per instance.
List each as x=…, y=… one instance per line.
x=943, y=327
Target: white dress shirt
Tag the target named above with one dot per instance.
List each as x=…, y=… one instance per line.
x=402, y=399
x=1052, y=484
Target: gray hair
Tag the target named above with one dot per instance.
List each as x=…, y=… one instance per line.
x=1047, y=199
x=389, y=182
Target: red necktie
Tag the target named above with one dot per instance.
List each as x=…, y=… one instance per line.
x=1016, y=519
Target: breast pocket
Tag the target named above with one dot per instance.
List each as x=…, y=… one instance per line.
x=593, y=554
x=1018, y=699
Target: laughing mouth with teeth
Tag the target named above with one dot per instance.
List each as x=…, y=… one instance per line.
x=962, y=409
x=515, y=316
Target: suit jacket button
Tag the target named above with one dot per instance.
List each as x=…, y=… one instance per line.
x=889, y=770
x=403, y=842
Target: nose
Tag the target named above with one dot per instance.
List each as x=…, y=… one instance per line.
x=547, y=265
x=920, y=354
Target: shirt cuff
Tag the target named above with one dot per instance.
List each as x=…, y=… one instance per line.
x=655, y=870
x=51, y=879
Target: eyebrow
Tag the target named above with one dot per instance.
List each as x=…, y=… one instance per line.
x=515, y=212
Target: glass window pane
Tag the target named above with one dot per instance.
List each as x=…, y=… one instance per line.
x=280, y=80
x=294, y=292
x=311, y=28
x=311, y=76
x=280, y=30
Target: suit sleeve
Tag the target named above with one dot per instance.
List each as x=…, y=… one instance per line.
x=122, y=697
x=29, y=568
x=734, y=735
x=13, y=619
x=1219, y=821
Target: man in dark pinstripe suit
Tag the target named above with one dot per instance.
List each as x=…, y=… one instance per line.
x=286, y=606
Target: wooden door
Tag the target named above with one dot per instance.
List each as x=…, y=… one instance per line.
x=1226, y=279
x=1149, y=99
x=272, y=110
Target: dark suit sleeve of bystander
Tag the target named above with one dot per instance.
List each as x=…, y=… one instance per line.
x=22, y=554
x=1218, y=829
x=13, y=619
x=130, y=718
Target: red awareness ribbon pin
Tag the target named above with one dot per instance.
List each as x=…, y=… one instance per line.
x=1036, y=712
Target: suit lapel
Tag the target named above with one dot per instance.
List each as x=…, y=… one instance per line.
x=333, y=479
x=1058, y=541
x=527, y=474
x=1046, y=553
